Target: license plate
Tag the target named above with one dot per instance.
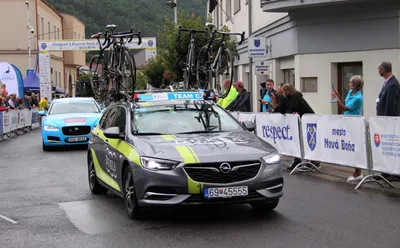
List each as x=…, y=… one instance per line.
x=227, y=192
x=77, y=139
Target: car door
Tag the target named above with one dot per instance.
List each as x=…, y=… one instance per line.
x=100, y=142
x=114, y=157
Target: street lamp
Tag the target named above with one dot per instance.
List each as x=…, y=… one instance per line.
x=172, y=4
x=30, y=31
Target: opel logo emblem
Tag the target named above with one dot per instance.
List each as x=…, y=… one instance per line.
x=77, y=128
x=225, y=168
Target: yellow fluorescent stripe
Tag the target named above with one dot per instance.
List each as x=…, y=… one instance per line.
x=102, y=175
x=121, y=146
x=146, y=104
x=168, y=137
x=190, y=157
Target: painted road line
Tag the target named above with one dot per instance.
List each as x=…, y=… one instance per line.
x=8, y=219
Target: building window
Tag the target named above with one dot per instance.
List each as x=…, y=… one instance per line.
x=221, y=13
x=288, y=76
x=236, y=6
x=48, y=30
x=228, y=9
x=55, y=32
x=58, y=33
x=74, y=35
x=56, y=75
x=38, y=31
x=59, y=78
x=79, y=36
x=42, y=30
x=309, y=85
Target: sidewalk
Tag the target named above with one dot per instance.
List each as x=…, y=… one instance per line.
x=337, y=173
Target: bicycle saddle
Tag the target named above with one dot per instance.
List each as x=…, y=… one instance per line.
x=111, y=26
x=210, y=25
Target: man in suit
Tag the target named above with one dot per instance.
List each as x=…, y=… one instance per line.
x=388, y=102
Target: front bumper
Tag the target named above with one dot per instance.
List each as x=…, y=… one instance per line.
x=169, y=188
x=57, y=138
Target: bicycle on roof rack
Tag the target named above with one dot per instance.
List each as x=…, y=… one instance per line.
x=117, y=72
x=189, y=72
x=212, y=71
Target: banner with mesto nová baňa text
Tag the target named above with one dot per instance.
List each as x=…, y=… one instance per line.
x=336, y=139
x=281, y=131
x=385, y=144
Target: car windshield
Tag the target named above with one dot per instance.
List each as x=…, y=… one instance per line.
x=73, y=107
x=176, y=119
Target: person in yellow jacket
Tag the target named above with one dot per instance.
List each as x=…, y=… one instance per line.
x=224, y=102
x=43, y=104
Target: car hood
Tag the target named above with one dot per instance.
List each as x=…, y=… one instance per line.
x=87, y=119
x=209, y=147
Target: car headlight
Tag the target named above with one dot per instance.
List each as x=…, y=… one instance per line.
x=50, y=128
x=272, y=158
x=158, y=164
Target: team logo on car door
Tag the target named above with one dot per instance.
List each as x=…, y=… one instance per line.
x=110, y=163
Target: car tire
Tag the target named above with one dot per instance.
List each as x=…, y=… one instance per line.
x=94, y=184
x=45, y=148
x=264, y=206
x=132, y=207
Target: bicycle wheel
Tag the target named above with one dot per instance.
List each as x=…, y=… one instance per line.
x=128, y=70
x=224, y=71
x=98, y=76
x=202, y=69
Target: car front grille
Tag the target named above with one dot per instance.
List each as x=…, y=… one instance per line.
x=76, y=130
x=211, y=173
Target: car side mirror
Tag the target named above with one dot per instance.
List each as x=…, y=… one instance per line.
x=42, y=113
x=249, y=125
x=114, y=133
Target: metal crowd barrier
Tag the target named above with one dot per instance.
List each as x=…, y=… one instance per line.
x=349, y=141
x=17, y=122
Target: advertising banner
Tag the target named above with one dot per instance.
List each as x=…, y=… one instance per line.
x=335, y=139
x=35, y=119
x=91, y=45
x=45, y=68
x=7, y=122
x=21, y=118
x=8, y=76
x=385, y=144
x=281, y=131
x=1, y=123
x=46, y=91
x=28, y=118
x=14, y=120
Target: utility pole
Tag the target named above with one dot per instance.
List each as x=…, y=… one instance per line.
x=30, y=30
x=251, y=59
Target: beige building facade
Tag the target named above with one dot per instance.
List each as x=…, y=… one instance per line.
x=47, y=24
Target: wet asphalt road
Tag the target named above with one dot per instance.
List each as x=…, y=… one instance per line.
x=48, y=195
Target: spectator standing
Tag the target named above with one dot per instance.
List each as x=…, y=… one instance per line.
x=35, y=102
x=242, y=101
x=352, y=105
x=224, y=102
x=279, y=101
x=3, y=105
x=11, y=102
x=43, y=104
x=3, y=91
x=263, y=91
x=388, y=102
x=266, y=100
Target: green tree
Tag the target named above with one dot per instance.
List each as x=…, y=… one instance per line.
x=154, y=71
x=141, y=80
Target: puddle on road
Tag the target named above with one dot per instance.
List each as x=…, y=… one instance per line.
x=96, y=216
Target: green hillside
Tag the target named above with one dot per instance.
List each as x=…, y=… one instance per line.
x=144, y=15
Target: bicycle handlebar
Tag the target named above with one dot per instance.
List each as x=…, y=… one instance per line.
x=227, y=33
x=192, y=31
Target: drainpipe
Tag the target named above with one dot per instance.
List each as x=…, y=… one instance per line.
x=251, y=59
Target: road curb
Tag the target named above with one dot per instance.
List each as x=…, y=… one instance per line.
x=335, y=173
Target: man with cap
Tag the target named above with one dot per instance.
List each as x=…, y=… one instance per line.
x=388, y=102
x=242, y=101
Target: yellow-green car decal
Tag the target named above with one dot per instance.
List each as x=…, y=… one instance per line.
x=190, y=157
x=102, y=175
x=121, y=146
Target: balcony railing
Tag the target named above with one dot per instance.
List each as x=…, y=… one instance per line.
x=288, y=5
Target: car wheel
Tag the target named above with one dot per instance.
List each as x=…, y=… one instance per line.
x=45, y=148
x=94, y=185
x=132, y=207
x=264, y=206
